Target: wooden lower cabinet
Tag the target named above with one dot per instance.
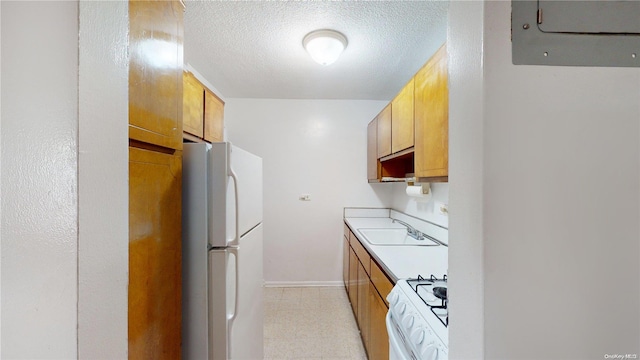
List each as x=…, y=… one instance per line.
x=363, y=305
x=345, y=263
x=378, y=348
x=367, y=290
x=380, y=281
x=155, y=220
x=352, y=286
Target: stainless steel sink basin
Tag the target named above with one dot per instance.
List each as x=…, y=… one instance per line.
x=395, y=237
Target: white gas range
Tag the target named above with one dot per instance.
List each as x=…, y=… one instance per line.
x=418, y=318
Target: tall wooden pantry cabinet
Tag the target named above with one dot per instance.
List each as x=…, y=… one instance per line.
x=155, y=178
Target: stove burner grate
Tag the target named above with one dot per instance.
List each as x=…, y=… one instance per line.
x=418, y=282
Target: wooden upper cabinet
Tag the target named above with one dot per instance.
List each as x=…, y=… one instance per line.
x=203, y=111
x=432, y=117
x=373, y=167
x=193, y=106
x=155, y=72
x=384, y=132
x=213, y=117
x=412, y=132
x=402, y=119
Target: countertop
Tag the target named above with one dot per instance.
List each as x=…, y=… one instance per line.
x=401, y=262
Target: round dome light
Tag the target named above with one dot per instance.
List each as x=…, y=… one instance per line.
x=324, y=46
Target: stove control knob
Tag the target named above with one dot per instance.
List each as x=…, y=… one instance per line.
x=430, y=352
x=408, y=321
x=393, y=298
x=417, y=337
x=401, y=307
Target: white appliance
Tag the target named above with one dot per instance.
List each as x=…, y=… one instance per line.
x=222, y=294
x=417, y=320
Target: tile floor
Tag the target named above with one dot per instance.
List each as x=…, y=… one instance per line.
x=310, y=323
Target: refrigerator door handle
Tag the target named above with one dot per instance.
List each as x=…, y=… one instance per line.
x=236, y=240
x=232, y=316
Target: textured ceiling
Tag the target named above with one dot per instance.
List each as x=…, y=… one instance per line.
x=253, y=49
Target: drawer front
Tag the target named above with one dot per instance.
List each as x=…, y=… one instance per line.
x=380, y=281
x=361, y=252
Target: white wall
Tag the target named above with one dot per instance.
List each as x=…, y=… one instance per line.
x=0, y=187
x=39, y=182
x=103, y=190
x=553, y=191
x=316, y=147
x=64, y=180
x=420, y=208
x=466, y=202
x=561, y=176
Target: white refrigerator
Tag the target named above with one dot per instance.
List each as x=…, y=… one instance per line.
x=222, y=279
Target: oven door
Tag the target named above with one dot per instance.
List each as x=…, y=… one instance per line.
x=398, y=347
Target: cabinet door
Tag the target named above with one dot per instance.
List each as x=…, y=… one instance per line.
x=361, y=252
x=402, y=119
x=380, y=281
x=384, y=132
x=155, y=220
x=213, y=117
x=432, y=117
x=345, y=263
x=363, y=305
x=353, y=280
x=155, y=72
x=378, y=337
x=193, y=106
x=372, y=151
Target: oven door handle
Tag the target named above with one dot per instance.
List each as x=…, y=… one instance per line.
x=396, y=345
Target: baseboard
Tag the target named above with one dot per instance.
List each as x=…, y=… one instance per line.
x=302, y=283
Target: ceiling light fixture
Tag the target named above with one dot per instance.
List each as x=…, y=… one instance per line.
x=324, y=46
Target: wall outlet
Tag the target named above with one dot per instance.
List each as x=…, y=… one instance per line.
x=305, y=197
x=441, y=208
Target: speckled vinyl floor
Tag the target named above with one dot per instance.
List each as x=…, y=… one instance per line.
x=310, y=323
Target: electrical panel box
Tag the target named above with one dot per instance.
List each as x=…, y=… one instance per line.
x=576, y=33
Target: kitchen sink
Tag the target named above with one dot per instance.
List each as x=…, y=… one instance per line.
x=393, y=236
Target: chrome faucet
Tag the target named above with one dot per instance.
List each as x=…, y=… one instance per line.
x=411, y=231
